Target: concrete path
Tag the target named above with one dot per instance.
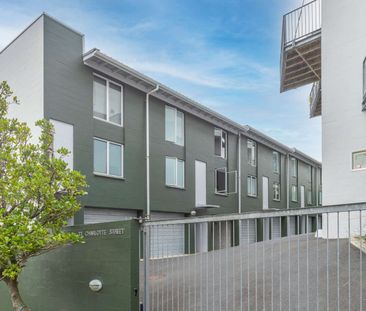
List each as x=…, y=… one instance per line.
x=257, y=277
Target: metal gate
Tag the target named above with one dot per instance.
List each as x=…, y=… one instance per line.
x=226, y=269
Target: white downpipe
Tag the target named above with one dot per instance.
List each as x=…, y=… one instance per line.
x=148, y=150
x=288, y=180
x=239, y=173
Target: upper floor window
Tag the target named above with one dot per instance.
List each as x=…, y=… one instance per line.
x=276, y=191
x=221, y=181
x=252, y=152
x=309, y=172
x=310, y=197
x=107, y=100
x=293, y=164
x=320, y=198
x=174, y=172
x=174, y=125
x=108, y=158
x=220, y=142
x=294, y=193
x=252, y=186
x=276, y=162
x=359, y=160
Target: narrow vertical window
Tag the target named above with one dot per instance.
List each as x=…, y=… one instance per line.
x=364, y=85
x=293, y=164
x=294, y=193
x=221, y=181
x=276, y=162
x=174, y=125
x=174, y=172
x=276, y=191
x=320, y=198
x=252, y=153
x=107, y=100
x=252, y=186
x=220, y=143
x=310, y=197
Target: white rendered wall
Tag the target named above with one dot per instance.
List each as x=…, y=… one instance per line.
x=21, y=65
x=343, y=122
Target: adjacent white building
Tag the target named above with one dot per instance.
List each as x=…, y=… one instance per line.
x=324, y=43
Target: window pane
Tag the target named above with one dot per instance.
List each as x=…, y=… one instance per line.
x=294, y=193
x=115, y=100
x=99, y=98
x=293, y=167
x=218, y=142
x=359, y=160
x=180, y=173
x=169, y=124
x=276, y=164
x=115, y=160
x=170, y=171
x=249, y=186
x=180, y=128
x=223, y=145
x=254, y=186
x=100, y=156
x=221, y=181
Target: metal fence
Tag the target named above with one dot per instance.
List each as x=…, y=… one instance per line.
x=297, y=259
x=302, y=22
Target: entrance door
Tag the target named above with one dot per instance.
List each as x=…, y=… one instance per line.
x=265, y=193
x=200, y=179
x=302, y=196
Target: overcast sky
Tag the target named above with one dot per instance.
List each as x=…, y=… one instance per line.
x=224, y=54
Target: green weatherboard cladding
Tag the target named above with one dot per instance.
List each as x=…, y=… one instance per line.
x=68, y=88
x=59, y=280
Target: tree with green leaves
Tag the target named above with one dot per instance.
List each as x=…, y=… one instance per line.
x=38, y=194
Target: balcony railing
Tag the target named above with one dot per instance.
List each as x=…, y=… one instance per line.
x=302, y=23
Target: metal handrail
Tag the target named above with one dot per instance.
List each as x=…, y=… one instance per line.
x=302, y=22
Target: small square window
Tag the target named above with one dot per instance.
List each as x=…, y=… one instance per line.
x=359, y=160
x=108, y=158
x=252, y=153
x=174, y=172
x=174, y=125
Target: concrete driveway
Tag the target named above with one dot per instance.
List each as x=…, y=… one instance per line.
x=257, y=277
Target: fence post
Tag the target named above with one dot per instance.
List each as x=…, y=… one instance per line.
x=146, y=231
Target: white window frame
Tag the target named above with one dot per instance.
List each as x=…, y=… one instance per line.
x=293, y=169
x=251, y=161
x=277, y=160
x=353, y=160
x=297, y=194
x=176, y=173
x=122, y=157
x=225, y=192
x=320, y=198
x=225, y=150
x=107, y=100
x=274, y=192
x=252, y=178
x=175, y=141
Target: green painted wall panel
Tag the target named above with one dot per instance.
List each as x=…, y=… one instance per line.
x=59, y=279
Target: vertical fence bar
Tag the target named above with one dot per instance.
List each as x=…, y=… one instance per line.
x=195, y=264
x=317, y=262
x=233, y=255
x=289, y=262
x=327, y=261
x=227, y=264
x=360, y=260
x=349, y=261
x=280, y=260
x=256, y=266
x=307, y=262
x=264, y=229
x=213, y=266
x=220, y=264
x=338, y=261
x=272, y=259
x=207, y=265
x=241, y=264
x=298, y=266
x=248, y=251
x=189, y=281
x=146, y=267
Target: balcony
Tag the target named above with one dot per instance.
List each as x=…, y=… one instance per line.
x=301, y=46
x=315, y=99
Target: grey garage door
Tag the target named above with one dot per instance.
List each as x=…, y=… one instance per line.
x=248, y=231
x=166, y=241
x=99, y=215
